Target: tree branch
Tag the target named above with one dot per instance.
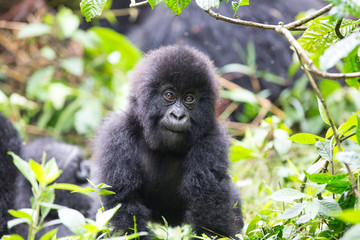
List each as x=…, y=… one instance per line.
x=308, y=62
x=306, y=19
x=135, y=4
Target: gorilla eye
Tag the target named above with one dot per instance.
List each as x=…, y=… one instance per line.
x=169, y=96
x=189, y=99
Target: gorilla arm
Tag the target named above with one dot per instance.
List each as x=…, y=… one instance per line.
x=207, y=186
x=116, y=150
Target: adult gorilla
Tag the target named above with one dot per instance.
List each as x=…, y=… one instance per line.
x=221, y=40
x=167, y=155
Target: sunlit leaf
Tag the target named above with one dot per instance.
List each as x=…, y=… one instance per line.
x=305, y=138
x=287, y=195
x=92, y=8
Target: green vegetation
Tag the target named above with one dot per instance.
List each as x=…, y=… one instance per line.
x=298, y=173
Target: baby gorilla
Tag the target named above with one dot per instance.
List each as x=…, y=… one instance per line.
x=167, y=154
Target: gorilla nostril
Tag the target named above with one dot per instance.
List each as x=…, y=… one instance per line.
x=178, y=116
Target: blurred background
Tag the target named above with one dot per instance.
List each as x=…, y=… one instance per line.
x=59, y=76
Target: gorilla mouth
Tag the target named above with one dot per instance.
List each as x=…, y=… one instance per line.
x=175, y=130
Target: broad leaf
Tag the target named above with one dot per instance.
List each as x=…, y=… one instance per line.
x=207, y=4
x=322, y=178
x=293, y=211
x=323, y=148
x=338, y=187
x=339, y=50
x=305, y=138
x=92, y=8
x=329, y=208
x=176, y=6
x=350, y=216
x=287, y=195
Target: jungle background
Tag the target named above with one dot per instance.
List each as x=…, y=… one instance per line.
x=295, y=154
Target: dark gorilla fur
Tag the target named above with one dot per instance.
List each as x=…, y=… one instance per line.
x=159, y=166
x=9, y=141
x=15, y=190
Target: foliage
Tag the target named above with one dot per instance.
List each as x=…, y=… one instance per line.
x=41, y=177
x=70, y=89
x=298, y=175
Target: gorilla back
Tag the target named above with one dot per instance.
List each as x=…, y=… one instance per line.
x=167, y=154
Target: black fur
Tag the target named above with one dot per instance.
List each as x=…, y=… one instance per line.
x=9, y=141
x=76, y=169
x=186, y=183
x=15, y=190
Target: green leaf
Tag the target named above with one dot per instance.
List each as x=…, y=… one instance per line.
x=68, y=22
x=239, y=95
x=153, y=3
x=58, y=94
x=238, y=152
x=105, y=192
x=88, y=117
x=176, y=6
x=207, y=4
x=287, y=195
x=52, y=171
x=329, y=207
x=111, y=41
x=321, y=34
x=24, y=168
x=350, y=216
x=12, y=237
x=38, y=170
x=236, y=5
x=74, y=65
x=321, y=178
x=49, y=235
x=21, y=214
x=322, y=111
x=293, y=211
x=92, y=8
x=73, y=220
x=103, y=185
x=323, y=148
x=34, y=30
x=38, y=83
x=305, y=138
x=345, y=7
x=70, y=187
x=102, y=218
x=339, y=50
x=347, y=126
x=338, y=187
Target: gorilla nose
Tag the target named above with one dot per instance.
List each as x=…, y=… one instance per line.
x=178, y=115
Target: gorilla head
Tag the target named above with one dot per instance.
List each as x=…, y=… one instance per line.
x=179, y=87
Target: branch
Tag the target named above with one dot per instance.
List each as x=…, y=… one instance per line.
x=306, y=19
x=135, y=4
x=237, y=21
x=308, y=62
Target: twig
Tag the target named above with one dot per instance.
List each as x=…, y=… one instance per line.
x=308, y=62
x=337, y=28
x=135, y=4
x=306, y=19
x=11, y=25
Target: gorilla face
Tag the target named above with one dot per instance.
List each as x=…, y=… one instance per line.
x=175, y=124
x=174, y=91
